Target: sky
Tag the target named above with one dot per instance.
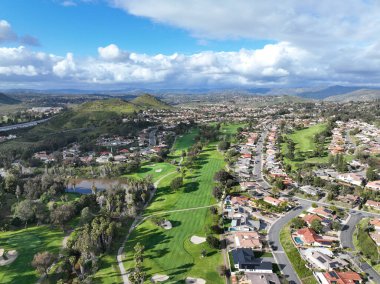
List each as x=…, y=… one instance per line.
x=113, y=44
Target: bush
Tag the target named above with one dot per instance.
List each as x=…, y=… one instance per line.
x=213, y=242
x=176, y=183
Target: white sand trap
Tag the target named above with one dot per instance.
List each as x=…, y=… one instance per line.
x=191, y=280
x=197, y=240
x=11, y=257
x=159, y=278
x=167, y=225
x=158, y=170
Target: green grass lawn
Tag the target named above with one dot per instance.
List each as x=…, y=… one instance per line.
x=298, y=263
x=27, y=242
x=156, y=170
x=365, y=245
x=183, y=142
x=231, y=128
x=304, y=140
x=169, y=251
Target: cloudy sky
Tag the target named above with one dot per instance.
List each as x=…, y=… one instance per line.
x=109, y=44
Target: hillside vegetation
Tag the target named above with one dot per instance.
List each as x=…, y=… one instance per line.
x=149, y=101
x=6, y=100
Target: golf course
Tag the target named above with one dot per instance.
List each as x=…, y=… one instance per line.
x=170, y=252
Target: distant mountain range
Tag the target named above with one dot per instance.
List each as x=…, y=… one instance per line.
x=6, y=100
x=330, y=93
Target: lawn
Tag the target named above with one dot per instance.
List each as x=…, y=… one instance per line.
x=305, y=274
x=169, y=251
x=365, y=245
x=304, y=140
x=27, y=242
x=156, y=170
x=183, y=142
x=231, y=128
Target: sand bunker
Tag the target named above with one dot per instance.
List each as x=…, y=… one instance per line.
x=197, y=240
x=158, y=170
x=7, y=258
x=191, y=280
x=159, y=278
x=167, y=225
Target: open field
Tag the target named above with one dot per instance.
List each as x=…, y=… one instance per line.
x=304, y=140
x=364, y=244
x=298, y=263
x=27, y=242
x=185, y=141
x=170, y=252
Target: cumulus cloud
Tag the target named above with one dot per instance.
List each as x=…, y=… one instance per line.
x=112, y=52
x=279, y=64
x=8, y=35
x=299, y=22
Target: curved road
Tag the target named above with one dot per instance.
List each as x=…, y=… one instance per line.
x=277, y=249
x=346, y=239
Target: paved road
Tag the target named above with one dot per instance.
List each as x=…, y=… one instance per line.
x=22, y=125
x=257, y=170
x=152, y=138
x=278, y=251
x=346, y=239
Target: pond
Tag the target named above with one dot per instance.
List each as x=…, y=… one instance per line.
x=85, y=186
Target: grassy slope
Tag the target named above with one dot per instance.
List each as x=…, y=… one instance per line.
x=170, y=252
x=150, y=101
x=298, y=263
x=363, y=243
x=304, y=144
x=27, y=242
x=151, y=169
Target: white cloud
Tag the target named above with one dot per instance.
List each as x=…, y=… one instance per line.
x=280, y=64
x=300, y=22
x=65, y=67
x=6, y=32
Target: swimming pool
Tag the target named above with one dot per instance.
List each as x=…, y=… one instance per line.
x=298, y=240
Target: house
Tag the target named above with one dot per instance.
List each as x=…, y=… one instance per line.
x=375, y=236
x=309, y=218
x=322, y=212
x=249, y=240
x=375, y=222
x=272, y=201
x=309, y=237
x=240, y=200
x=244, y=260
x=349, y=198
x=373, y=204
x=351, y=178
x=311, y=190
x=261, y=278
x=322, y=261
x=335, y=277
x=374, y=185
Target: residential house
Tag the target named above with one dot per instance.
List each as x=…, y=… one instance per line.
x=244, y=260
x=311, y=190
x=351, y=178
x=309, y=218
x=336, y=277
x=273, y=201
x=373, y=204
x=322, y=212
x=249, y=240
x=374, y=185
x=322, y=261
x=261, y=278
x=308, y=237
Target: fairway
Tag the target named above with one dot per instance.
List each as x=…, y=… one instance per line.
x=185, y=141
x=156, y=170
x=304, y=140
x=27, y=242
x=170, y=252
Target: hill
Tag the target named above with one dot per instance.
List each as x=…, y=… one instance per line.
x=6, y=100
x=327, y=92
x=149, y=101
x=356, y=96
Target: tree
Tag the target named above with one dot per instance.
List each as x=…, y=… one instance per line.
x=213, y=241
x=298, y=223
x=42, y=261
x=62, y=214
x=24, y=211
x=223, y=145
x=371, y=174
x=222, y=176
x=317, y=226
x=86, y=216
x=336, y=226
x=217, y=192
x=176, y=183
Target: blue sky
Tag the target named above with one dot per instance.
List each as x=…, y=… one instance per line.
x=81, y=29
x=107, y=44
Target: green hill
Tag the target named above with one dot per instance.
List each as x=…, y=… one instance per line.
x=6, y=100
x=149, y=101
x=109, y=105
